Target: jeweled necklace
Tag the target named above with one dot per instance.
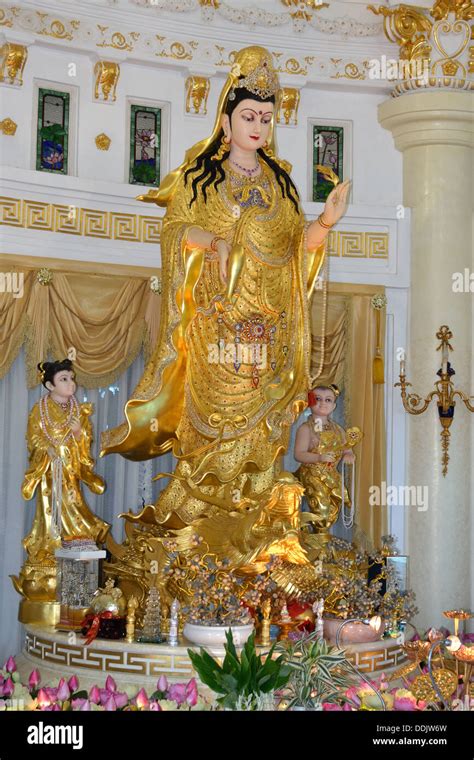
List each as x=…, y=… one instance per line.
x=248, y=172
x=46, y=419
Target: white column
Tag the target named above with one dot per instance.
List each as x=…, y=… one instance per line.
x=435, y=132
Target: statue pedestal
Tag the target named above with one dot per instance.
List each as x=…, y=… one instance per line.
x=57, y=654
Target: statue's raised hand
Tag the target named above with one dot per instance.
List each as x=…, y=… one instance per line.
x=336, y=204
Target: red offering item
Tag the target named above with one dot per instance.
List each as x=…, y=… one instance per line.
x=105, y=625
x=302, y=612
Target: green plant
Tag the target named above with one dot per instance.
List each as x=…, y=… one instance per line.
x=318, y=672
x=241, y=679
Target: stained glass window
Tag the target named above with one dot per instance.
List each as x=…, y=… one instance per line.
x=145, y=145
x=328, y=151
x=52, y=131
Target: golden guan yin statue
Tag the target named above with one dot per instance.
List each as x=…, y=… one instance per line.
x=230, y=371
x=59, y=437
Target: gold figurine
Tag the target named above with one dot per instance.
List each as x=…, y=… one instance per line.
x=59, y=438
x=320, y=445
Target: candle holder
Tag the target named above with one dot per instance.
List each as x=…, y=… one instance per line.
x=445, y=393
x=457, y=616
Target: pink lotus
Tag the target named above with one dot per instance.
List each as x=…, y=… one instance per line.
x=110, y=684
x=63, y=693
x=8, y=688
x=94, y=695
x=177, y=693
x=110, y=704
x=10, y=665
x=44, y=699
x=328, y=707
x=34, y=679
x=141, y=700
x=162, y=684
x=73, y=684
x=86, y=706
x=121, y=699
x=154, y=706
x=191, y=692
x=404, y=700
x=77, y=704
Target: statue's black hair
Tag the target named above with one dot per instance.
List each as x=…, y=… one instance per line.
x=212, y=173
x=52, y=368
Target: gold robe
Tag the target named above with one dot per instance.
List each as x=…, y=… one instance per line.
x=77, y=521
x=227, y=428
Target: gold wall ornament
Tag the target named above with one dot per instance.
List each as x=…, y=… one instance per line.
x=176, y=50
x=197, y=91
x=117, y=40
x=424, y=58
x=8, y=126
x=462, y=9
x=288, y=102
x=444, y=393
x=209, y=4
x=57, y=28
x=156, y=285
x=12, y=63
x=351, y=71
x=44, y=276
x=102, y=141
x=107, y=75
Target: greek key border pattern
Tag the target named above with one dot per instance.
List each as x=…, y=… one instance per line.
x=134, y=228
x=104, y=661
x=85, y=222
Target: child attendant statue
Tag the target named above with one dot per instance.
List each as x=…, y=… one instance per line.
x=59, y=437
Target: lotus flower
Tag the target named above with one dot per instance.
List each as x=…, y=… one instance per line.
x=73, y=684
x=154, y=706
x=8, y=688
x=44, y=699
x=10, y=665
x=94, y=695
x=121, y=699
x=34, y=679
x=78, y=703
x=162, y=684
x=141, y=700
x=191, y=692
x=86, y=706
x=63, y=693
x=110, y=684
x=404, y=700
x=110, y=704
x=177, y=693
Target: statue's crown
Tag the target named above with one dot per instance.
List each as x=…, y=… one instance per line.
x=261, y=81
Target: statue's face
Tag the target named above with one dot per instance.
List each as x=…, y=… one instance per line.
x=325, y=402
x=249, y=125
x=64, y=384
